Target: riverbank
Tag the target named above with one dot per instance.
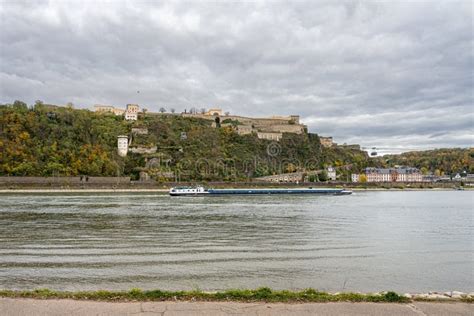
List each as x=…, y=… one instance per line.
x=98, y=190
x=124, y=184
x=54, y=307
x=263, y=294
x=166, y=190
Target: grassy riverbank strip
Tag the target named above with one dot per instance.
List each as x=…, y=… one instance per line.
x=261, y=294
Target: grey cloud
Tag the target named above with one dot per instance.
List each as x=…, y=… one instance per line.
x=377, y=73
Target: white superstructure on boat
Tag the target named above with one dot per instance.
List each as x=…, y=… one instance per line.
x=188, y=191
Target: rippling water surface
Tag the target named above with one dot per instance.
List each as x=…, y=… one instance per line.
x=403, y=241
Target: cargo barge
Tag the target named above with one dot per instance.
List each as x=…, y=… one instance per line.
x=186, y=191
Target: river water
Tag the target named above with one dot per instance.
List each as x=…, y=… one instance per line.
x=413, y=241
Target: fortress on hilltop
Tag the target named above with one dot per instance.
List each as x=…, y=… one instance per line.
x=130, y=113
x=271, y=128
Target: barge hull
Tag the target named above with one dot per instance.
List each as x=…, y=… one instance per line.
x=275, y=191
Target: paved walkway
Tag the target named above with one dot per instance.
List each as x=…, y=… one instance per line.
x=35, y=307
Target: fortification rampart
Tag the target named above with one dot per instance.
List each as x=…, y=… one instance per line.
x=296, y=129
x=247, y=120
x=280, y=124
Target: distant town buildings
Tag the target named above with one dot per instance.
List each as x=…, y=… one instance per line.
x=122, y=145
x=401, y=174
x=458, y=177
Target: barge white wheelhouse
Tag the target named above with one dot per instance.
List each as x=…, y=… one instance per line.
x=181, y=191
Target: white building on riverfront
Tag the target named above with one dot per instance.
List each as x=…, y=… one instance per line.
x=402, y=174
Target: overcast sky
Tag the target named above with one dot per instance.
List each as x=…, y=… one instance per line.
x=397, y=75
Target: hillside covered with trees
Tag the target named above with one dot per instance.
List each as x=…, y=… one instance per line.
x=447, y=161
x=46, y=140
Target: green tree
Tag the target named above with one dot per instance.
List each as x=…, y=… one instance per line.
x=323, y=176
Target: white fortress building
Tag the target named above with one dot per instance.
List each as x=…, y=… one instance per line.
x=131, y=112
x=122, y=145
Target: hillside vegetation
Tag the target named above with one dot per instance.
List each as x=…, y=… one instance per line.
x=439, y=161
x=45, y=140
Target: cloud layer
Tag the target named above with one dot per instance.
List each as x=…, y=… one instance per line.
x=397, y=75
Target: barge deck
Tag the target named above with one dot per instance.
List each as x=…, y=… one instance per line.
x=182, y=191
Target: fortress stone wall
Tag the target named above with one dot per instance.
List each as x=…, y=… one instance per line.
x=296, y=129
x=143, y=150
x=247, y=125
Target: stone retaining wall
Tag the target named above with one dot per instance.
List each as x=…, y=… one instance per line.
x=63, y=180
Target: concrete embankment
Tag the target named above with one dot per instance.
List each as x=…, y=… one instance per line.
x=15, y=306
